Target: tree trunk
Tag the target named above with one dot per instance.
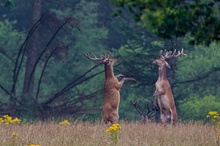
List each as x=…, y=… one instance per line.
x=32, y=51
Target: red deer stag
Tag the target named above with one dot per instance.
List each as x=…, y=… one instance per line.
x=145, y=117
x=163, y=90
x=111, y=89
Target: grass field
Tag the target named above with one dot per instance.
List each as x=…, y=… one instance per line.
x=94, y=134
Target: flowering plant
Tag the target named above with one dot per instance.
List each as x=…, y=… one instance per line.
x=6, y=119
x=214, y=117
x=113, y=130
x=65, y=122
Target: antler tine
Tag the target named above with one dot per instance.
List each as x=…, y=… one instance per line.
x=149, y=112
x=110, y=54
x=180, y=53
x=143, y=113
x=148, y=109
x=93, y=58
x=86, y=54
x=103, y=55
x=169, y=54
x=162, y=54
x=137, y=107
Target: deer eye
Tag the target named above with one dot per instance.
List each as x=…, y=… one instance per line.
x=107, y=61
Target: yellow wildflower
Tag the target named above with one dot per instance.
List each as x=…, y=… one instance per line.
x=1, y=120
x=16, y=120
x=213, y=113
x=113, y=131
x=34, y=145
x=65, y=122
x=14, y=134
x=114, y=127
x=8, y=120
x=5, y=116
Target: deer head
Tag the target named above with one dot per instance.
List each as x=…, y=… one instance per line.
x=107, y=61
x=103, y=59
x=164, y=55
x=145, y=117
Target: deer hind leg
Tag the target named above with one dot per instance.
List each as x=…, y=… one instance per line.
x=109, y=121
x=114, y=118
x=163, y=117
x=174, y=116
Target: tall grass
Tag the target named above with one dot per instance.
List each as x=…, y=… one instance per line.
x=94, y=134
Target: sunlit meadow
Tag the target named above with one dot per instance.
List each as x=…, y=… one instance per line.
x=75, y=133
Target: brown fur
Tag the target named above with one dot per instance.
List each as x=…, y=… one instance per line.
x=111, y=94
x=163, y=90
x=165, y=96
x=111, y=90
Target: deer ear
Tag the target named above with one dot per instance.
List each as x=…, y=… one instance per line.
x=167, y=64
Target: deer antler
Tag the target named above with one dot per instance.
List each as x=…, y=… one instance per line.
x=180, y=53
x=149, y=113
x=94, y=58
x=102, y=56
x=169, y=54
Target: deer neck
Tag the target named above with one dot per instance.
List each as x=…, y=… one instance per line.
x=162, y=73
x=109, y=71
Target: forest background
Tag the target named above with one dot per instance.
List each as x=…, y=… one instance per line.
x=44, y=73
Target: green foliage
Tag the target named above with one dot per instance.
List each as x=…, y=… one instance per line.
x=8, y=3
x=166, y=18
x=90, y=29
x=10, y=39
x=196, y=108
x=135, y=59
x=197, y=85
x=79, y=41
x=198, y=73
x=63, y=68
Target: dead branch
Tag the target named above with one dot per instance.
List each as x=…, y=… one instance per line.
x=73, y=84
x=20, y=55
x=215, y=69
x=42, y=53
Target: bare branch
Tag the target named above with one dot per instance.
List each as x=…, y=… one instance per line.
x=73, y=84
x=201, y=77
x=42, y=72
x=20, y=55
x=3, y=52
x=42, y=53
x=5, y=90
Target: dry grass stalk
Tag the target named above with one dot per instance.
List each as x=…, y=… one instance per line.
x=94, y=134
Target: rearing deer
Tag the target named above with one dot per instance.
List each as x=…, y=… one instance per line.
x=163, y=90
x=111, y=89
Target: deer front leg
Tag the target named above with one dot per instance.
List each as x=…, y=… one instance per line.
x=158, y=92
x=120, y=75
x=129, y=79
x=122, y=81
